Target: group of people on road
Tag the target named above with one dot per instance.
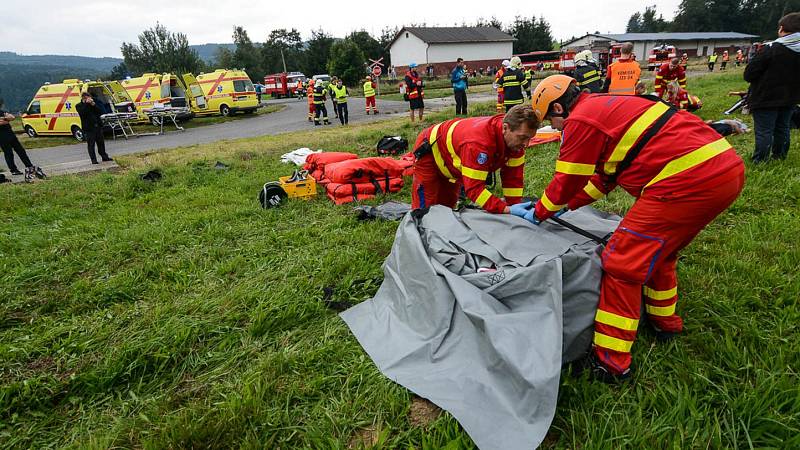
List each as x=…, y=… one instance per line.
x=318, y=92
x=682, y=172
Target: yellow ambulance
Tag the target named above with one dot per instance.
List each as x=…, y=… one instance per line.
x=52, y=110
x=226, y=91
x=165, y=89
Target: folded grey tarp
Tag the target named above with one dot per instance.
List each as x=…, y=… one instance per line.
x=477, y=312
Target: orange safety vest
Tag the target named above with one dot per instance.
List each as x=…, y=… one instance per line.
x=624, y=74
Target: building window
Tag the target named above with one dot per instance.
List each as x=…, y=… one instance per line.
x=406, y=35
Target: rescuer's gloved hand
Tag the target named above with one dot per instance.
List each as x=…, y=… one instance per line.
x=521, y=209
x=531, y=217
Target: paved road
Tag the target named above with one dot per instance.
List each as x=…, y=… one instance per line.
x=74, y=158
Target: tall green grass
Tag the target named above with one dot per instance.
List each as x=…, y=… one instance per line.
x=180, y=314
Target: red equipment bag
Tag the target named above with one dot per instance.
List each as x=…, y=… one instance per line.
x=407, y=161
x=316, y=162
x=364, y=170
x=342, y=193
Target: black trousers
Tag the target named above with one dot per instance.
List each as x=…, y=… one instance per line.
x=95, y=137
x=321, y=112
x=461, y=102
x=11, y=145
x=341, y=109
x=335, y=109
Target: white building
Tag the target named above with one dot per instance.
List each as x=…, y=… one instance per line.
x=442, y=46
x=693, y=44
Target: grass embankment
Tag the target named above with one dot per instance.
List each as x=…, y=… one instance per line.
x=179, y=314
x=53, y=141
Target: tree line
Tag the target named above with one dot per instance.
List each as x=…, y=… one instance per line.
x=158, y=50
x=757, y=17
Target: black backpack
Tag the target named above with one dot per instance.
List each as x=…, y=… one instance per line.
x=392, y=145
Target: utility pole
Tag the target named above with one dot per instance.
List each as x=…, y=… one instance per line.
x=284, y=61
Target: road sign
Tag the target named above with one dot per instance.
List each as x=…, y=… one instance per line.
x=377, y=71
x=376, y=62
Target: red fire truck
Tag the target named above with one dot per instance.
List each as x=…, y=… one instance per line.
x=283, y=84
x=659, y=55
x=559, y=61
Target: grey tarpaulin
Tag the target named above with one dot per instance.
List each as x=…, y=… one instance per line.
x=485, y=346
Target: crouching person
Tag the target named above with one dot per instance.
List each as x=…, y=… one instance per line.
x=463, y=152
x=683, y=175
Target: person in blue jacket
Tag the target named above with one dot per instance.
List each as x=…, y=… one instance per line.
x=460, y=84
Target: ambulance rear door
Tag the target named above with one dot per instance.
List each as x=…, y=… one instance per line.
x=195, y=93
x=122, y=100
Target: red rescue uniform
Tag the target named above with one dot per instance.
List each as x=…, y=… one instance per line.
x=464, y=152
x=683, y=100
x=684, y=177
x=665, y=74
x=500, y=107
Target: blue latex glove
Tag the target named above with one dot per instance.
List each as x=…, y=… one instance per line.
x=531, y=217
x=521, y=209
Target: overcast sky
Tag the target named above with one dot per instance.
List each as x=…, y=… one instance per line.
x=97, y=28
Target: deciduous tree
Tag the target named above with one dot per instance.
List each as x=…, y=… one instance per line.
x=160, y=51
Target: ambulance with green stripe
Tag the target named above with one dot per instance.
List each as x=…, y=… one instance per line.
x=227, y=91
x=52, y=110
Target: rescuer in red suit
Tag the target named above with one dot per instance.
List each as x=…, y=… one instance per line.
x=667, y=72
x=463, y=152
x=683, y=175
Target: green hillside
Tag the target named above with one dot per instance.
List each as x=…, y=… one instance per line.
x=21, y=75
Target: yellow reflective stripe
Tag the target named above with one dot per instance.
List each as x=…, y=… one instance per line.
x=474, y=173
x=512, y=192
x=612, y=343
x=590, y=73
x=590, y=80
x=515, y=162
x=437, y=155
x=662, y=311
x=483, y=198
x=632, y=135
x=690, y=160
x=616, y=321
x=593, y=192
x=550, y=205
x=658, y=76
x=453, y=155
x=571, y=168
x=513, y=102
x=660, y=295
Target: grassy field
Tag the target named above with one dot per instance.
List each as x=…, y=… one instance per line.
x=180, y=314
x=52, y=141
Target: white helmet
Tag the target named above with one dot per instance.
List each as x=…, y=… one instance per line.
x=506, y=63
x=516, y=62
x=585, y=55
